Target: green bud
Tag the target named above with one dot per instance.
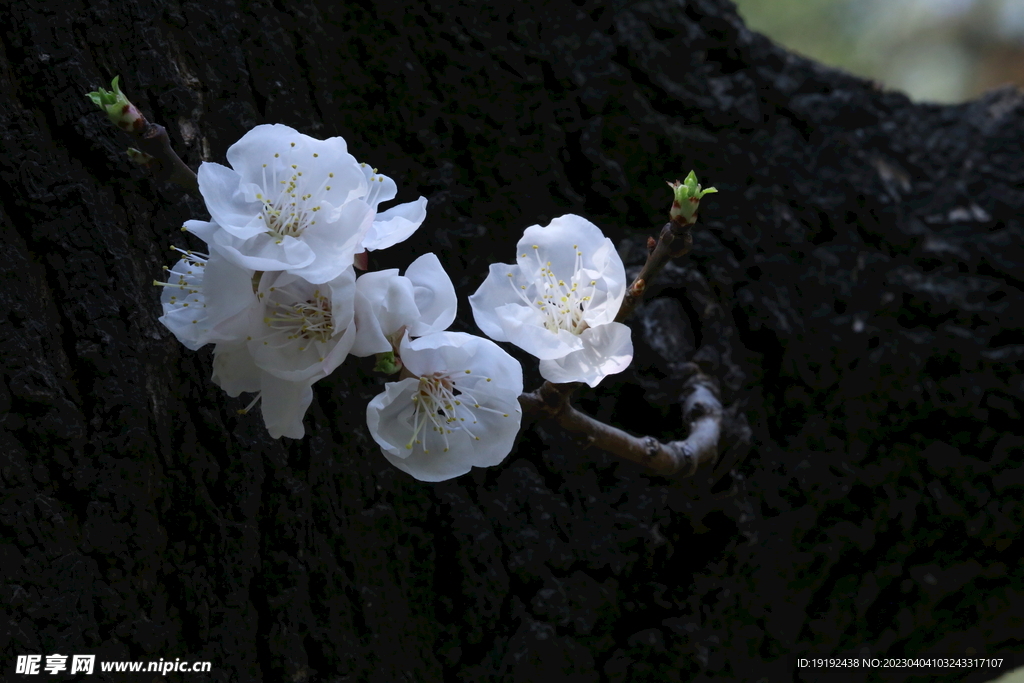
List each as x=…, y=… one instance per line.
x=387, y=363
x=686, y=199
x=122, y=113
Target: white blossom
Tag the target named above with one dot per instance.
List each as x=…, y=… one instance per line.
x=206, y=299
x=389, y=305
x=305, y=330
x=559, y=302
x=294, y=203
x=459, y=410
x=288, y=202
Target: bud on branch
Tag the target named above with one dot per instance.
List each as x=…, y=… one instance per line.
x=122, y=113
x=154, y=146
x=686, y=199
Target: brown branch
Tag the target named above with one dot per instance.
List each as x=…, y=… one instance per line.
x=153, y=140
x=702, y=411
x=675, y=240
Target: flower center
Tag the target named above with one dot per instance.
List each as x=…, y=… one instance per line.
x=441, y=405
x=310, y=319
x=290, y=203
x=562, y=304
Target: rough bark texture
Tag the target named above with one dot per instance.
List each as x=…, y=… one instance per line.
x=856, y=288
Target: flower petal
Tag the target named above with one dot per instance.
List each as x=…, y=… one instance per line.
x=396, y=224
x=371, y=290
x=494, y=293
x=284, y=344
x=379, y=187
x=284, y=404
x=606, y=350
x=253, y=157
x=234, y=369
x=335, y=243
x=227, y=199
x=388, y=417
x=434, y=295
x=263, y=252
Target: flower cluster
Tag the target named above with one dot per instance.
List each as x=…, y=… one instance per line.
x=278, y=296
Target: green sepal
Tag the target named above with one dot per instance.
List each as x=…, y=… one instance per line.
x=109, y=99
x=686, y=197
x=387, y=363
x=119, y=110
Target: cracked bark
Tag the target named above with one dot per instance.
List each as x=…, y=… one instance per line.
x=854, y=291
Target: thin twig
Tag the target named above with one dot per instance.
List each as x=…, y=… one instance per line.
x=152, y=139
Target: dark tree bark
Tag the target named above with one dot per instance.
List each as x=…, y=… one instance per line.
x=855, y=288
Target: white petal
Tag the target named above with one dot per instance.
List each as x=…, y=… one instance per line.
x=206, y=300
x=369, y=337
x=484, y=444
x=204, y=230
x=343, y=291
x=371, y=290
x=335, y=243
x=396, y=224
x=458, y=352
x=227, y=200
x=398, y=309
x=610, y=274
x=434, y=352
x=388, y=417
x=379, y=187
x=464, y=452
x=558, y=243
x=492, y=294
x=228, y=293
x=234, y=370
x=284, y=404
x=263, y=252
x=434, y=295
x=607, y=350
x=248, y=155
x=184, y=325
x=374, y=285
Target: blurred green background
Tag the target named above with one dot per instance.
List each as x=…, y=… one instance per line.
x=934, y=50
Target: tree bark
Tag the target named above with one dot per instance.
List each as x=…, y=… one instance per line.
x=854, y=289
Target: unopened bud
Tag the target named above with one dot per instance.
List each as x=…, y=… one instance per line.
x=122, y=113
x=686, y=199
